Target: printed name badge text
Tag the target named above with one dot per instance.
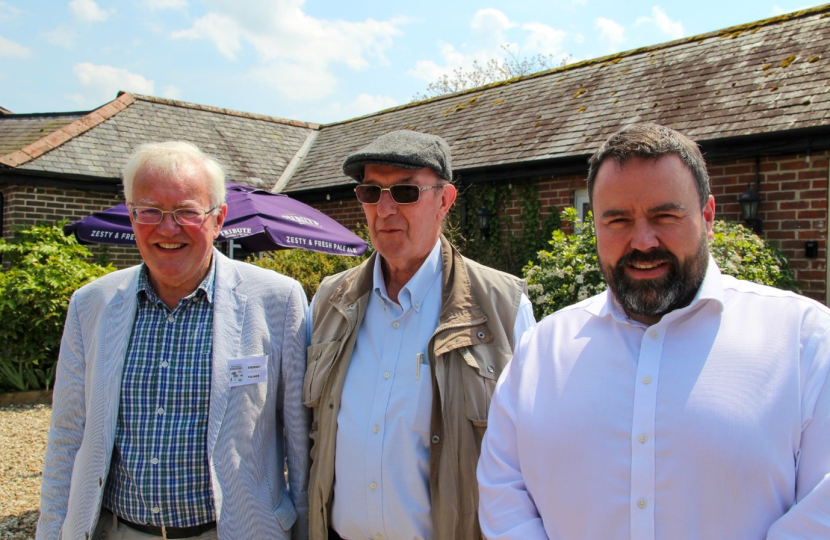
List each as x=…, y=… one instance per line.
x=249, y=370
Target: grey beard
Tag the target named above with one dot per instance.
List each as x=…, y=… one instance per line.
x=656, y=297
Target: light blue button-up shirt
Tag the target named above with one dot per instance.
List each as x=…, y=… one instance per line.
x=381, y=486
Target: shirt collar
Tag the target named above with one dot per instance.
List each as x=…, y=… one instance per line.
x=711, y=289
x=414, y=292
x=206, y=286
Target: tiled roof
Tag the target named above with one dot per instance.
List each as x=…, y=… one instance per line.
x=20, y=130
x=254, y=149
x=764, y=77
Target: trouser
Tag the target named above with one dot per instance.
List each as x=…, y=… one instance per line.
x=109, y=528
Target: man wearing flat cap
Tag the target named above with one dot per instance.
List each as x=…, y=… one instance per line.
x=405, y=353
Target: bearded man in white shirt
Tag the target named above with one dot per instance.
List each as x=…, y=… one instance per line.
x=680, y=403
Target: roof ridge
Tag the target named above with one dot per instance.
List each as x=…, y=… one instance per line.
x=220, y=110
x=731, y=31
x=58, y=137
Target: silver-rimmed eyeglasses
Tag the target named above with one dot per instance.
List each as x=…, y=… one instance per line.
x=148, y=215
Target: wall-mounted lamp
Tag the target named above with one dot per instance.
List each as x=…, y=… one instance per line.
x=484, y=216
x=750, y=199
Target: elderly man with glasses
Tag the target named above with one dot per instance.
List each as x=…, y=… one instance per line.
x=177, y=406
x=404, y=355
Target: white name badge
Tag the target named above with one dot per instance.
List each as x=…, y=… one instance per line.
x=249, y=370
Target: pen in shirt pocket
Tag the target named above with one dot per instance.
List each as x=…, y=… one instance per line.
x=419, y=359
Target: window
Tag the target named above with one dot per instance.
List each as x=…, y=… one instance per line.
x=581, y=203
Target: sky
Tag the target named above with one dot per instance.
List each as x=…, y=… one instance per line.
x=313, y=60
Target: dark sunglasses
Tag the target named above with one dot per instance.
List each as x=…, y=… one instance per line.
x=400, y=193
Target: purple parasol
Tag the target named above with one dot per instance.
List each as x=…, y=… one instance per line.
x=257, y=220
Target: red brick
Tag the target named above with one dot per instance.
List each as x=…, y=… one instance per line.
x=793, y=165
x=779, y=215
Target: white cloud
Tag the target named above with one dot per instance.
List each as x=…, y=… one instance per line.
x=10, y=49
x=223, y=31
x=673, y=29
x=778, y=10
x=102, y=83
x=488, y=29
x=62, y=36
x=88, y=11
x=157, y=5
x=543, y=39
x=611, y=33
x=492, y=36
x=284, y=37
x=362, y=105
x=295, y=81
x=367, y=103
x=172, y=92
x=8, y=12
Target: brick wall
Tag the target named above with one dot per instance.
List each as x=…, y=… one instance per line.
x=348, y=212
x=27, y=205
x=793, y=209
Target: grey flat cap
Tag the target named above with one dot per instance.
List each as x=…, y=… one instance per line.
x=405, y=149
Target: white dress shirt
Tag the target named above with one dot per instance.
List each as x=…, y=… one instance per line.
x=381, y=488
x=713, y=423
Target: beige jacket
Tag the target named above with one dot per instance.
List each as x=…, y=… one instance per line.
x=469, y=349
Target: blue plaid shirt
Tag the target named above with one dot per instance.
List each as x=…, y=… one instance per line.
x=159, y=473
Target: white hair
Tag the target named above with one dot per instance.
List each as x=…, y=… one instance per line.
x=168, y=158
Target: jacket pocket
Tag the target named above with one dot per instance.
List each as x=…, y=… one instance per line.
x=286, y=513
x=320, y=360
x=479, y=380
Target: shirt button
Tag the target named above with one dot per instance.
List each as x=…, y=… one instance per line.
x=646, y=380
x=164, y=364
x=396, y=324
x=642, y=437
x=642, y=503
x=160, y=410
x=154, y=461
x=654, y=334
x=375, y=429
x=156, y=510
x=170, y=318
x=417, y=304
x=386, y=375
x=373, y=485
x=435, y=439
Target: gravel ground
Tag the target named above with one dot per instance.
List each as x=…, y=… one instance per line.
x=23, y=432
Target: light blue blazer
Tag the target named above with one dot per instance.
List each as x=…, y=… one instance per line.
x=254, y=431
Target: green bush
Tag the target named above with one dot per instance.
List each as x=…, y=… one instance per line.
x=309, y=267
x=569, y=272
x=45, y=268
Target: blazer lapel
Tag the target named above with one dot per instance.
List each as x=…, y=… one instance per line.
x=228, y=316
x=120, y=317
